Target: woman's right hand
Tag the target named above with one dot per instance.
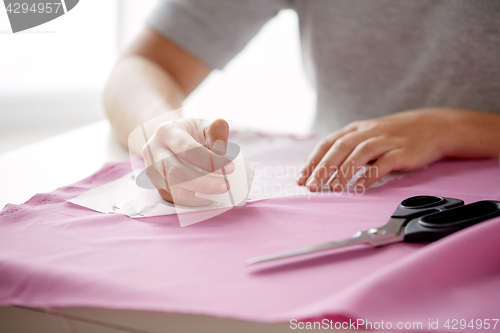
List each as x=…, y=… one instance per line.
x=187, y=157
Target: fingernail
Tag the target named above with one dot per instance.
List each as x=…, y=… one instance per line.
x=335, y=185
x=300, y=178
x=310, y=181
x=230, y=167
x=312, y=184
x=334, y=182
x=361, y=182
x=224, y=188
x=219, y=147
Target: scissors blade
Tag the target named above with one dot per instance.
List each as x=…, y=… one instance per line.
x=391, y=232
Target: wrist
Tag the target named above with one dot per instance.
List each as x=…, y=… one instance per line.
x=471, y=134
x=454, y=129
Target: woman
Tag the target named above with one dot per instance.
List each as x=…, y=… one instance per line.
x=400, y=84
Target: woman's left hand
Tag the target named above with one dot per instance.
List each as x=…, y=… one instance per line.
x=404, y=141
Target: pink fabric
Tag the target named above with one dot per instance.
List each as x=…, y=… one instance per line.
x=55, y=254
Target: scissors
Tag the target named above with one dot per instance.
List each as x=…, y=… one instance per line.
x=423, y=218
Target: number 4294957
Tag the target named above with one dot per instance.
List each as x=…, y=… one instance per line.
x=23, y=8
x=462, y=324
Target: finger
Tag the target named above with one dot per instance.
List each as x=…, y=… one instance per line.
x=382, y=166
x=186, y=148
x=317, y=154
x=156, y=178
x=171, y=171
x=166, y=196
x=364, y=152
x=216, y=136
x=177, y=174
x=155, y=161
x=332, y=160
x=189, y=150
x=180, y=196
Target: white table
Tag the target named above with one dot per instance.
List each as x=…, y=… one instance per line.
x=57, y=161
x=62, y=160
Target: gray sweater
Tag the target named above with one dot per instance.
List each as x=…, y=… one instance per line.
x=365, y=58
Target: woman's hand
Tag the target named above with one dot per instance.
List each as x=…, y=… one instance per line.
x=183, y=153
x=404, y=141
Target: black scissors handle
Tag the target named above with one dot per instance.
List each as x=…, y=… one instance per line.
x=421, y=205
x=434, y=226
x=426, y=217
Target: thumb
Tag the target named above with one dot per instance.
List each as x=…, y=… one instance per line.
x=216, y=135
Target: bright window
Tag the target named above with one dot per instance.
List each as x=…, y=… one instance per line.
x=51, y=76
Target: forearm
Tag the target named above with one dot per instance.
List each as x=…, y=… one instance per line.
x=474, y=135
x=137, y=91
